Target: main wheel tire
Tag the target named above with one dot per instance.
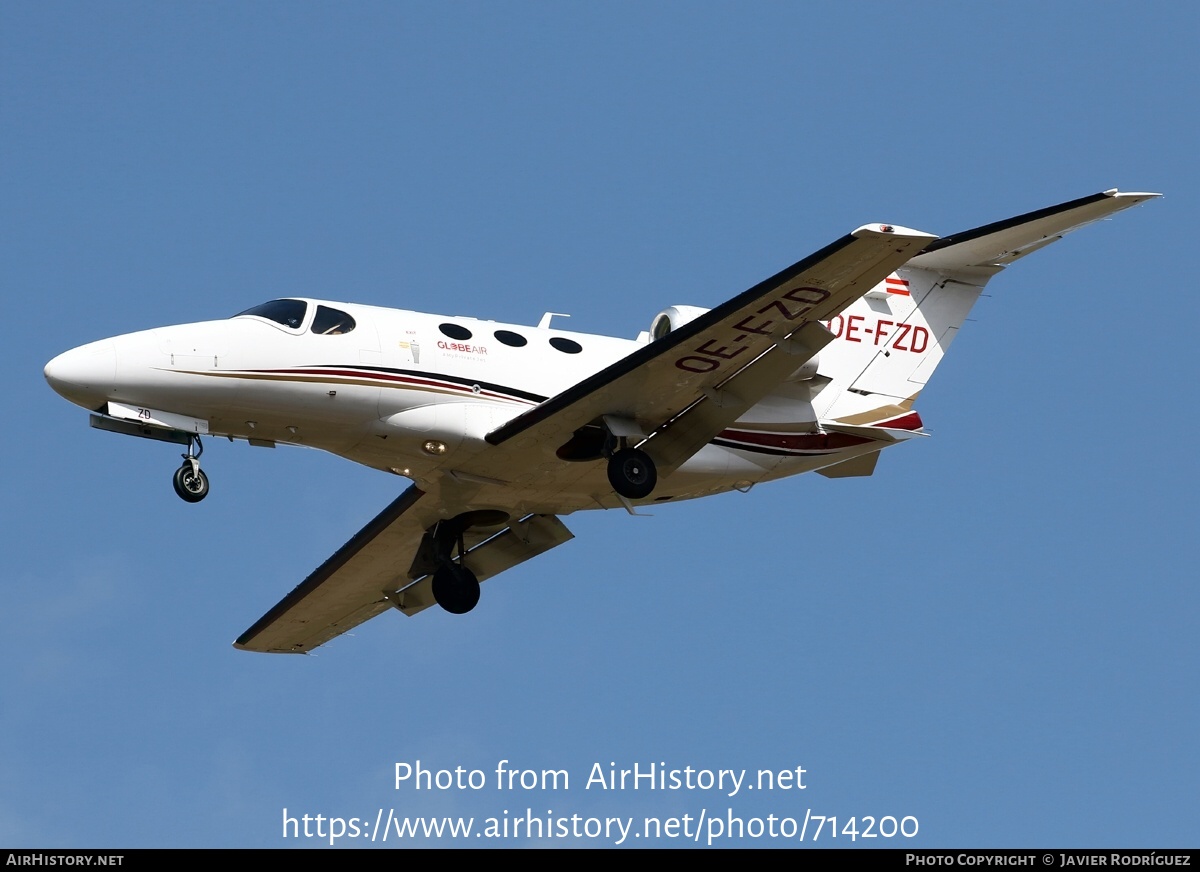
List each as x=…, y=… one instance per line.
x=632, y=474
x=191, y=485
x=455, y=588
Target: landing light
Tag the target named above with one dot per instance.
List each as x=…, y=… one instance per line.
x=434, y=447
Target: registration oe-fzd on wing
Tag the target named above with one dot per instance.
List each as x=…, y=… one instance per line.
x=504, y=428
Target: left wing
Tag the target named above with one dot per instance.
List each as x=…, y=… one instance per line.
x=370, y=574
x=726, y=360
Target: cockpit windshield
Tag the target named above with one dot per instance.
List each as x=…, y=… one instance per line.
x=289, y=313
x=331, y=322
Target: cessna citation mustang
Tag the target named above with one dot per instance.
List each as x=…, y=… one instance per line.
x=503, y=428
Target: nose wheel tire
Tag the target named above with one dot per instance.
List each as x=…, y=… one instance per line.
x=632, y=474
x=455, y=588
x=191, y=484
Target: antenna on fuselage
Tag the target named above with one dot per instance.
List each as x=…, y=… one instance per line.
x=544, y=324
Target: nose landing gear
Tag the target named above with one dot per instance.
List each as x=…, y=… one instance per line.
x=189, y=480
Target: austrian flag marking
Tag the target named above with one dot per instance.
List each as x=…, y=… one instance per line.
x=895, y=285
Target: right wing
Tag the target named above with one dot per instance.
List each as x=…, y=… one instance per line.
x=720, y=364
x=370, y=574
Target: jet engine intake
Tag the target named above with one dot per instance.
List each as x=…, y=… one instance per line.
x=672, y=318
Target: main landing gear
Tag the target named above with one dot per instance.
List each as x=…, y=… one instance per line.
x=189, y=480
x=631, y=473
x=455, y=587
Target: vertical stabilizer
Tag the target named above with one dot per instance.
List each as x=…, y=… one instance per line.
x=888, y=344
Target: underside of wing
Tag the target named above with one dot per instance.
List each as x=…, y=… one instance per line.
x=1002, y=242
x=711, y=359
x=390, y=563
x=346, y=589
x=515, y=544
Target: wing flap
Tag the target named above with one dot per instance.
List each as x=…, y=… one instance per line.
x=855, y=467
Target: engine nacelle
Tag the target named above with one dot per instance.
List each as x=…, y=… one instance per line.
x=673, y=318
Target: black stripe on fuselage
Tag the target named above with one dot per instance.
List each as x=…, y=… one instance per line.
x=465, y=382
x=426, y=374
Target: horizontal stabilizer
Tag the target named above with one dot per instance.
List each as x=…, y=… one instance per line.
x=879, y=434
x=856, y=467
x=1002, y=242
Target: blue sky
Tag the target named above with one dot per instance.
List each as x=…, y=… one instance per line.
x=995, y=634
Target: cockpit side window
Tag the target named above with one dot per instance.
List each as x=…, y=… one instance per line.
x=289, y=313
x=331, y=322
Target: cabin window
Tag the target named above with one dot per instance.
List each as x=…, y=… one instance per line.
x=516, y=340
x=331, y=322
x=289, y=313
x=455, y=331
x=565, y=345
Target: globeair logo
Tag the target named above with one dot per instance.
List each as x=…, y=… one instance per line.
x=461, y=347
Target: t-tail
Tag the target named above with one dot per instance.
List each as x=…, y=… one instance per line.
x=889, y=342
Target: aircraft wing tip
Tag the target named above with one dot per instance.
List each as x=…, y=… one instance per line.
x=1136, y=196
x=245, y=646
x=891, y=230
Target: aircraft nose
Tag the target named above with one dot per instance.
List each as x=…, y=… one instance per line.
x=84, y=375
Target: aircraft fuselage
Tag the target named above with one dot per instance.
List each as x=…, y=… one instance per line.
x=385, y=391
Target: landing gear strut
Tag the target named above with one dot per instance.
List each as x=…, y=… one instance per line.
x=190, y=481
x=455, y=587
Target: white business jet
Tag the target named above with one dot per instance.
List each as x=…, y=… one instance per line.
x=503, y=428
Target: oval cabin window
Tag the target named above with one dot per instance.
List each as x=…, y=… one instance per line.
x=455, y=331
x=565, y=345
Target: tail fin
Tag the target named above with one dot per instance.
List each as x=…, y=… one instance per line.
x=892, y=339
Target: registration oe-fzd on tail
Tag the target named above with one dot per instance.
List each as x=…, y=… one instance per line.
x=504, y=428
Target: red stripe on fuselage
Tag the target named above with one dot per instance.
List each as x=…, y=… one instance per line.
x=367, y=375
x=794, y=441
x=911, y=421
